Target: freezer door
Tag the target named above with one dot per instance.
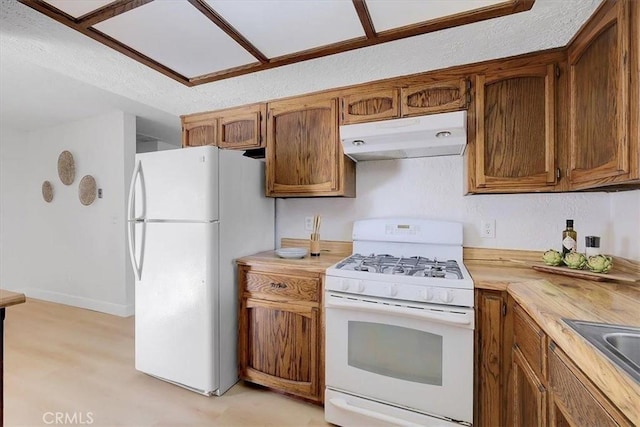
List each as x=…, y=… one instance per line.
x=176, y=302
x=179, y=185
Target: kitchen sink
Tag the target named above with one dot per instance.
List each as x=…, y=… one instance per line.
x=619, y=343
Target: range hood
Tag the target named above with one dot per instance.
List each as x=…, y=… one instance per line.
x=443, y=134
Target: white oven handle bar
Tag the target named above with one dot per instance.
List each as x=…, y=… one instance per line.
x=461, y=319
x=342, y=404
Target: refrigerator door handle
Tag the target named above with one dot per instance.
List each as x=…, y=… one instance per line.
x=137, y=172
x=137, y=268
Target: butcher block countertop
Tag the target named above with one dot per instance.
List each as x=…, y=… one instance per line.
x=331, y=251
x=8, y=298
x=548, y=298
x=311, y=264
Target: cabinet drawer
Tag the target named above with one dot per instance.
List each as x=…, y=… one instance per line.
x=531, y=340
x=284, y=286
x=571, y=398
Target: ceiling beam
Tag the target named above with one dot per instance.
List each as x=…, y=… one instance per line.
x=207, y=11
x=456, y=20
x=365, y=18
x=109, y=11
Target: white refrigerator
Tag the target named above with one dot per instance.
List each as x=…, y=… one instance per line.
x=191, y=213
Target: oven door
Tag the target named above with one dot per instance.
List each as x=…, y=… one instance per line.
x=412, y=355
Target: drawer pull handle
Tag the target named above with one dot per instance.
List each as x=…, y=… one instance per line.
x=278, y=285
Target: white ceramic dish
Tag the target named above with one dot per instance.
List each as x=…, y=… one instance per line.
x=291, y=252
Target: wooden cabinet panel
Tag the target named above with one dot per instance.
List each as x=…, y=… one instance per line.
x=243, y=128
x=529, y=394
x=282, y=346
x=369, y=106
x=283, y=286
x=602, y=148
x=492, y=358
x=280, y=334
x=530, y=340
x=304, y=154
x=515, y=130
x=574, y=400
x=198, y=130
x=435, y=97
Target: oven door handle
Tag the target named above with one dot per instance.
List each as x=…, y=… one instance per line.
x=462, y=319
x=344, y=405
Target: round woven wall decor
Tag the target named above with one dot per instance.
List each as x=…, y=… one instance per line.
x=87, y=190
x=47, y=191
x=66, y=168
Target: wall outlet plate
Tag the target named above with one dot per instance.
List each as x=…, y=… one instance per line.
x=308, y=223
x=488, y=228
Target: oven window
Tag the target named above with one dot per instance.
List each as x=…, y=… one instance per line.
x=397, y=352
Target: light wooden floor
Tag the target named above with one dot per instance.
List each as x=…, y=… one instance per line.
x=61, y=359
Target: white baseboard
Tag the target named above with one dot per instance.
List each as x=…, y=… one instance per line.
x=121, y=310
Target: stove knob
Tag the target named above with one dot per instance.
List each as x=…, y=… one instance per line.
x=392, y=290
x=446, y=296
x=344, y=284
x=360, y=286
x=426, y=294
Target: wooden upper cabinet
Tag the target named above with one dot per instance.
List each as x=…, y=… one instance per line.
x=368, y=106
x=243, y=128
x=435, y=97
x=240, y=128
x=304, y=156
x=603, y=143
x=199, y=129
x=416, y=99
x=514, y=148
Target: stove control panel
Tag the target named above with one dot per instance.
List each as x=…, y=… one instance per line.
x=401, y=291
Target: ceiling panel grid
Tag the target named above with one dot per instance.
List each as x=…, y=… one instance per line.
x=200, y=41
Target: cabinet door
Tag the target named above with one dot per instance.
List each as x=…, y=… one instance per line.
x=574, y=400
x=369, y=106
x=515, y=130
x=529, y=395
x=304, y=154
x=435, y=97
x=279, y=346
x=492, y=358
x=242, y=128
x=599, y=116
x=198, y=131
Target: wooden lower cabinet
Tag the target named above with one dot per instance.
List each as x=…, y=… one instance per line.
x=574, y=400
x=492, y=358
x=529, y=394
x=544, y=386
x=281, y=336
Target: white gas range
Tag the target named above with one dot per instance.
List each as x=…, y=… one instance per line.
x=399, y=327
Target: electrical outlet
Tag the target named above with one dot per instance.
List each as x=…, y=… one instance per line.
x=308, y=223
x=488, y=228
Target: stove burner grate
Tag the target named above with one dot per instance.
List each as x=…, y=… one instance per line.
x=409, y=266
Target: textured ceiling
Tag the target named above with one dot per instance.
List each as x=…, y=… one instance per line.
x=35, y=39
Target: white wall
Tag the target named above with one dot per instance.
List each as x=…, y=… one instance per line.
x=148, y=146
x=63, y=251
x=11, y=201
x=433, y=188
x=625, y=224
